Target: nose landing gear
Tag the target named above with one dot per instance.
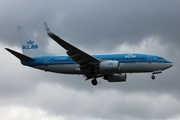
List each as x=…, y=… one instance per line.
x=155, y=72
x=153, y=77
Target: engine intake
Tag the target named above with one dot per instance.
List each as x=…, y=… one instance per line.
x=116, y=77
x=109, y=65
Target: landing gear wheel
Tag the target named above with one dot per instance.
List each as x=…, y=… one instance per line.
x=153, y=77
x=94, y=82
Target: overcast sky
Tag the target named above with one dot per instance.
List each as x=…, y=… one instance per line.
x=95, y=26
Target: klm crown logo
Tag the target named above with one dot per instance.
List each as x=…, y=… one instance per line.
x=110, y=63
x=29, y=45
x=30, y=42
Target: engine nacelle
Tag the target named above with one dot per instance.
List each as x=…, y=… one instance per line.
x=109, y=65
x=116, y=77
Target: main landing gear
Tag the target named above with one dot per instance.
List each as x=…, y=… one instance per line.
x=92, y=76
x=94, y=81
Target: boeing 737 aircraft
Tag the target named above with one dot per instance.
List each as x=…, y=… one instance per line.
x=110, y=67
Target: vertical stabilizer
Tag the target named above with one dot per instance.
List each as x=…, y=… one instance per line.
x=30, y=47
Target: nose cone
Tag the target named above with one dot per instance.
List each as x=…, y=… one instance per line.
x=168, y=65
x=171, y=64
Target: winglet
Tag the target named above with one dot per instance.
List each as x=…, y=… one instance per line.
x=47, y=28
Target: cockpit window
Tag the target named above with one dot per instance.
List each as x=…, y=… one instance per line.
x=160, y=58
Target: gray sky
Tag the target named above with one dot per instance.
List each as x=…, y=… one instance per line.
x=101, y=26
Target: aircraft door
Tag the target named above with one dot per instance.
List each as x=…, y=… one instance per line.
x=149, y=59
x=46, y=62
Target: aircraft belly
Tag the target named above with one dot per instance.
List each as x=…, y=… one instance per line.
x=66, y=69
x=123, y=68
x=140, y=67
x=131, y=67
x=150, y=67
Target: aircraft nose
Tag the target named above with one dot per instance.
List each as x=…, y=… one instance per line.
x=169, y=64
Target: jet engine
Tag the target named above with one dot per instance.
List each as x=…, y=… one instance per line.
x=109, y=65
x=116, y=77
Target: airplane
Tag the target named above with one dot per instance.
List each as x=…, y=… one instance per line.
x=110, y=67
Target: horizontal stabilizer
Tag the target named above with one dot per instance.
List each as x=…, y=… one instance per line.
x=19, y=55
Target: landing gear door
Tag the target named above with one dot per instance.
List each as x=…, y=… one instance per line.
x=149, y=59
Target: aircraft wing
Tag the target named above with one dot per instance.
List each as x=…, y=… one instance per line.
x=80, y=57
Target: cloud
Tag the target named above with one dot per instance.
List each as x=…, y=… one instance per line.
x=66, y=103
x=95, y=27
x=15, y=112
x=89, y=22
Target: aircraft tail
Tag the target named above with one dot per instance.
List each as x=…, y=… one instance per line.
x=30, y=47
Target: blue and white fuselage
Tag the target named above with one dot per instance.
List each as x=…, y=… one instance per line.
x=111, y=67
x=128, y=63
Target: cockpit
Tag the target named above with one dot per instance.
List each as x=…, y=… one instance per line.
x=160, y=58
